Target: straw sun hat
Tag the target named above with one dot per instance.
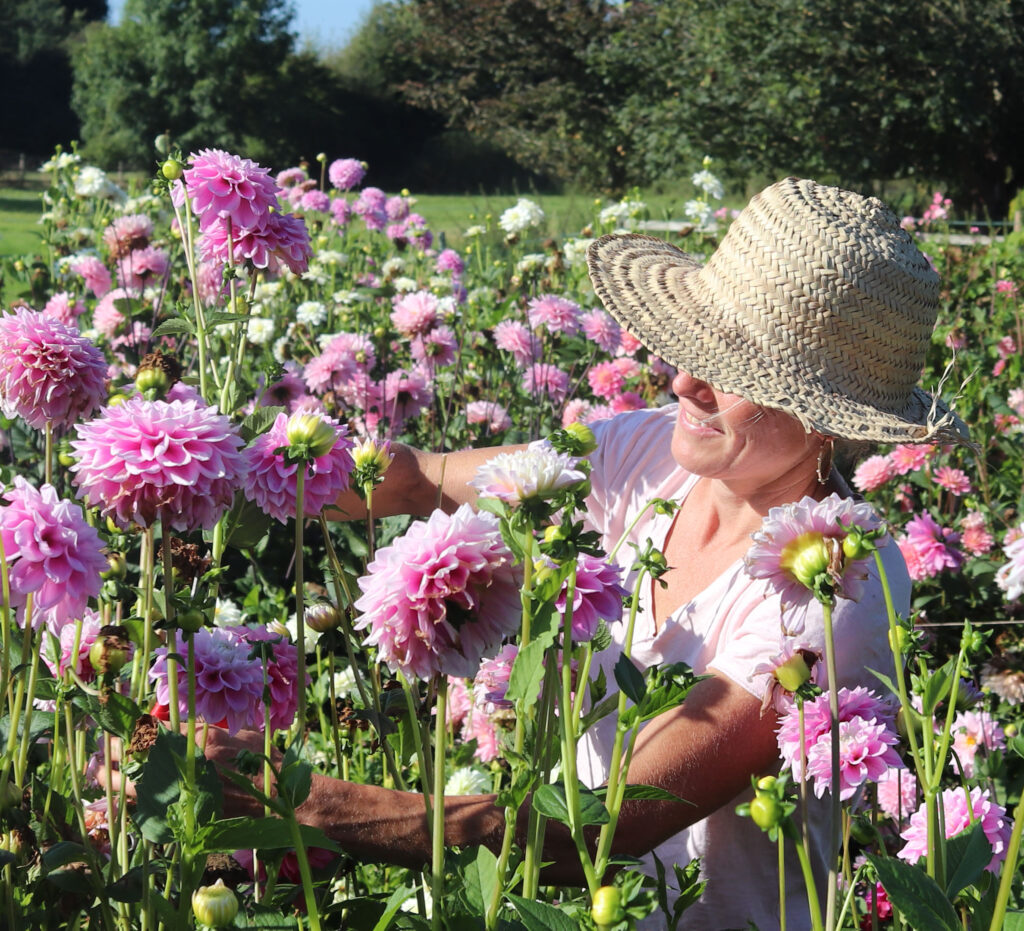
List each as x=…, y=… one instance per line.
x=816, y=303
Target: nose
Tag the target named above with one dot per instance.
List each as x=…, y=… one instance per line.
x=685, y=385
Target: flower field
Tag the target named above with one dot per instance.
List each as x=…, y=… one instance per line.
x=189, y=367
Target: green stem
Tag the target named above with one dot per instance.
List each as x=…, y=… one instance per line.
x=312, y=911
x=437, y=830
x=837, y=804
x=814, y=906
x=782, y=882
x=172, y=645
x=1009, y=868
x=300, y=606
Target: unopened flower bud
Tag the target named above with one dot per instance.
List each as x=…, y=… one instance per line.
x=806, y=558
x=310, y=436
x=606, y=910
x=371, y=458
x=190, y=620
x=584, y=435
x=171, y=169
x=215, y=906
x=322, y=616
x=793, y=673
x=152, y=383
x=110, y=650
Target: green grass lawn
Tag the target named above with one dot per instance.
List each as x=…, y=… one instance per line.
x=19, y=221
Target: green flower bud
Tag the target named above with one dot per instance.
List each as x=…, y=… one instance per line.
x=109, y=651
x=215, y=906
x=190, y=620
x=322, y=616
x=793, y=673
x=606, y=909
x=765, y=810
x=806, y=558
x=152, y=382
x=172, y=169
x=310, y=436
x=117, y=567
x=585, y=436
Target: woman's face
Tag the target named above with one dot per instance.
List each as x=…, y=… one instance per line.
x=725, y=437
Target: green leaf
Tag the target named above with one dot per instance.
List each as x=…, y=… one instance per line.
x=915, y=894
x=259, y=421
x=1013, y=921
x=967, y=855
x=63, y=853
x=115, y=713
x=246, y=524
x=173, y=326
x=398, y=898
x=480, y=878
x=220, y=317
x=652, y=792
x=129, y=887
x=539, y=916
x=936, y=687
x=667, y=687
x=257, y=834
x=630, y=680
x=550, y=801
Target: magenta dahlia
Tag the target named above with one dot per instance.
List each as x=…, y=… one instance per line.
x=598, y=596
x=229, y=685
x=441, y=596
x=282, y=674
x=220, y=184
x=178, y=462
x=49, y=373
x=52, y=553
x=270, y=477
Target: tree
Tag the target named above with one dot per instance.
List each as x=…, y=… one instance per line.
x=218, y=73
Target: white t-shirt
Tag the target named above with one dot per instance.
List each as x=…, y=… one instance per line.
x=731, y=626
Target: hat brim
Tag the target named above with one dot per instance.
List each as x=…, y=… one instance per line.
x=649, y=287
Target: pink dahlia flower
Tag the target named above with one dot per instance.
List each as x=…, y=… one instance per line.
x=282, y=675
x=49, y=373
x=346, y=173
x=51, y=552
x=1010, y=576
x=220, y=184
x=479, y=727
x=441, y=596
x=793, y=549
x=132, y=231
x=958, y=817
x=795, y=664
x=600, y=328
x=105, y=316
x=598, y=596
x=854, y=704
x=142, y=461
x=397, y=208
x=63, y=308
x=866, y=752
x=490, y=413
x=405, y=395
x=290, y=177
x=544, y=378
x=141, y=268
x=280, y=240
x=371, y=206
x=928, y=548
x=897, y=794
x=598, y=412
x=448, y=260
x=491, y=681
x=975, y=536
x=435, y=348
x=605, y=380
x=629, y=344
x=574, y=411
x=315, y=201
x=974, y=731
x=229, y=685
x=270, y=478
x=95, y=274
x=414, y=313
x=628, y=401
x=910, y=457
x=342, y=358
x=955, y=481
x=516, y=338
x=557, y=314
x=873, y=473
x=535, y=472
x=85, y=634
x=459, y=701
x=341, y=211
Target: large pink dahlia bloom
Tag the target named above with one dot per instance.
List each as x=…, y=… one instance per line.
x=51, y=552
x=441, y=596
x=49, y=373
x=222, y=184
x=270, y=478
x=178, y=462
x=597, y=597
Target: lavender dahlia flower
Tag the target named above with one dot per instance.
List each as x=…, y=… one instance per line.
x=178, y=462
x=49, y=373
x=51, y=552
x=270, y=478
x=441, y=596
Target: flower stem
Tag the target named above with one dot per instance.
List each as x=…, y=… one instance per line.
x=172, y=648
x=299, y=727
x=437, y=830
x=837, y=804
x=1009, y=868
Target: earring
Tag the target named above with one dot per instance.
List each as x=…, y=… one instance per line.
x=825, y=456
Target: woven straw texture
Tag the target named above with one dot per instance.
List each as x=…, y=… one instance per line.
x=816, y=303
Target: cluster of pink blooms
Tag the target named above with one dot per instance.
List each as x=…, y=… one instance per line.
x=974, y=731
x=229, y=684
x=1010, y=576
x=876, y=471
x=484, y=712
x=928, y=548
x=270, y=478
x=961, y=809
x=49, y=373
x=937, y=210
x=178, y=462
x=54, y=557
x=240, y=220
x=1005, y=349
x=441, y=596
x=867, y=741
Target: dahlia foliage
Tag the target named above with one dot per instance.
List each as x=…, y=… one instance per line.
x=178, y=360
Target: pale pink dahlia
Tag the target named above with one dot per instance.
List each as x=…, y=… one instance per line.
x=85, y=634
x=866, y=752
x=51, y=552
x=132, y=231
x=975, y=537
x=49, y=373
x=897, y=794
x=598, y=596
x=270, y=477
x=794, y=547
x=459, y=701
x=95, y=274
x=404, y=396
x=279, y=240
x=178, y=462
x=341, y=211
x=282, y=675
x=928, y=548
x=600, y=328
x=1010, y=576
x=974, y=731
x=544, y=378
x=63, y=308
x=106, y=318
x=909, y=457
x=955, y=481
x=441, y=596
x=491, y=681
x=316, y=201
x=873, y=473
x=490, y=413
x=414, y=313
x=141, y=268
x=557, y=314
x=346, y=173
x=229, y=685
x=342, y=358
x=516, y=338
x=220, y=184
x=994, y=823
x=435, y=348
x=605, y=380
x=538, y=471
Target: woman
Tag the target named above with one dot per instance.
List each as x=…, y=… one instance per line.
x=804, y=332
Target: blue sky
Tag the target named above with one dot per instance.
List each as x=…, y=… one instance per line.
x=325, y=23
